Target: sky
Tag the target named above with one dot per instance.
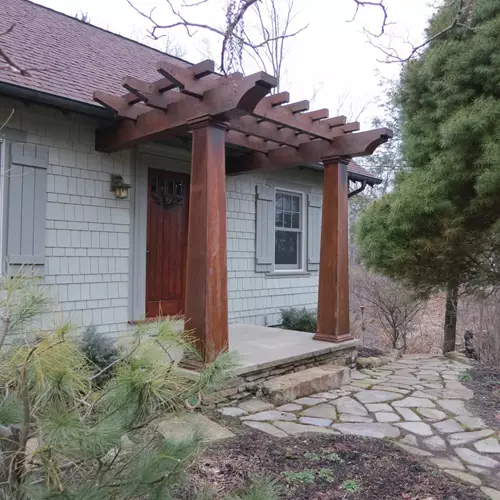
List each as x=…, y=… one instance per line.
x=330, y=62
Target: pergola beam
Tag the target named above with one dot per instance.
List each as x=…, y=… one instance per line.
x=342, y=146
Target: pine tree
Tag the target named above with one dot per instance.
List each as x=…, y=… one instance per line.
x=62, y=436
x=440, y=225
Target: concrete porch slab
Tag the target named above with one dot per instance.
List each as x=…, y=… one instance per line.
x=263, y=347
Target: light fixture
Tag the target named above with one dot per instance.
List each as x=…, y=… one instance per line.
x=119, y=187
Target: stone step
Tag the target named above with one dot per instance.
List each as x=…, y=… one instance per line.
x=291, y=386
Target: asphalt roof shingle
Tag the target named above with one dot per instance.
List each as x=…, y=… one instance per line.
x=69, y=58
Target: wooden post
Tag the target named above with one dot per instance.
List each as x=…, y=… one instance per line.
x=206, y=273
x=333, y=299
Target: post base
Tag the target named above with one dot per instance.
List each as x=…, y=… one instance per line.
x=331, y=338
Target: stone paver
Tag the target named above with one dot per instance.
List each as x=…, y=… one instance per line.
x=472, y=458
x=323, y=410
x=468, y=437
x=448, y=426
x=348, y=405
x=267, y=428
x=375, y=396
x=265, y=416
x=318, y=422
x=255, y=405
x=417, y=401
x=432, y=414
x=489, y=445
x=229, y=411
x=293, y=428
x=368, y=430
x=419, y=428
x=387, y=417
x=411, y=402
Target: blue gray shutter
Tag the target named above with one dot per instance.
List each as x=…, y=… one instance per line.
x=264, y=229
x=27, y=186
x=314, y=206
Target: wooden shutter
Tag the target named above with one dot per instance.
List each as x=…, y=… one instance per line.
x=314, y=205
x=27, y=186
x=264, y=230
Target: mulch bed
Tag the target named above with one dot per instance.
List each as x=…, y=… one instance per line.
x=322, y=467
x=369, y=352
x=485, y=382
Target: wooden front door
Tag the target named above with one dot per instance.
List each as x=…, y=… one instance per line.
x=168, y=204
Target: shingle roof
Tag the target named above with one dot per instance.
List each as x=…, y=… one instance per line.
x=72, y=58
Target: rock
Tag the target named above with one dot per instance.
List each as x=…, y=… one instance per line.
x=467, y=478
x=448, y=426
x=478, y=470
x=350, y=406
x=354, y=418
x=270, y=415
x=293, y=428
x=472, y=458
x=432, y=414
x=435, y=443
x=290, y=407
x=324, y=395
x=255, y=405
x=368, y=430
x=287, y=388
x=424, y=395
x=319, y=422
x=391, y=389
x=414, y=451
x=489, y=445
x=387, y=417
x=182, y=425
x=308, y=401
x=419, y=428
x=267, y=428
x=491, y=493
x=230, y=411
x=448, y=463
x=409, y=440
x=408, y=415
x=411, y=402
x=351, y=388
x=356, y=375
x=375, y=396
x=468, y=437
x=454, y=406
x=323, y=410
x=471, y=423
x=378, y=407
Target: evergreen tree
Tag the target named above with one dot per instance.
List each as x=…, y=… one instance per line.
x=440, y=226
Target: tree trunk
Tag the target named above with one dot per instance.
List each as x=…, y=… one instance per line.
x=450, y=316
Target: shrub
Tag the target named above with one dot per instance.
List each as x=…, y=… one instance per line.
x=101, y=352
x=301, y=320
x=61, y=436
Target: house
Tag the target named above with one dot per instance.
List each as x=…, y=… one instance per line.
x=96, y=190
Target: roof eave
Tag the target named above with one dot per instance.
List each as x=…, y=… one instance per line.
x=353, y=176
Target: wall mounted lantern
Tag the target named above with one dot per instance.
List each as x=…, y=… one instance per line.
x=119, y=187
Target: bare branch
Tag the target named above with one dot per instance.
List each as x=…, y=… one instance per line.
x=383, y=8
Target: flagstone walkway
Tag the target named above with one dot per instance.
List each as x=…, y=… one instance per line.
x=417, y=402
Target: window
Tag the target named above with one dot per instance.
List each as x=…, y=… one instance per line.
x=288, y=230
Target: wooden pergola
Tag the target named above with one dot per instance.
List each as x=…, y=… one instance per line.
x=240, y=110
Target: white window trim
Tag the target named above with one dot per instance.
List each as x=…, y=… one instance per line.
x=303, y=231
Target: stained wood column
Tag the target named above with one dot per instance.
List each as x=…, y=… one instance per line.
x=206, y=273
x=333, y=300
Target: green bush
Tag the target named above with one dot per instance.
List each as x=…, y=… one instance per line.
x=101, y=352
x=301, y=320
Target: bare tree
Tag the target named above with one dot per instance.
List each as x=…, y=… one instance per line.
x=392, y=304
x=173, y=48
x=462, y=11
